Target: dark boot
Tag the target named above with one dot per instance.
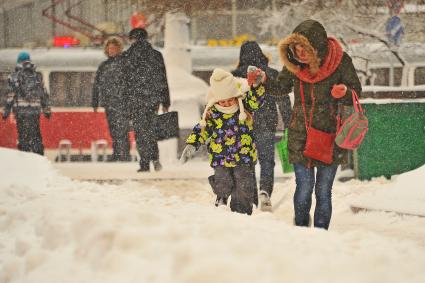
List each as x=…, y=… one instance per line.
x=157, y=165
x=144, y=167
x=244, y=193
x=221, y=201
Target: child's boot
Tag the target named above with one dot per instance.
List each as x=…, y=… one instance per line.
x=221, y=201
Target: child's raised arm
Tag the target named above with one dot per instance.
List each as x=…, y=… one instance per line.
x=254, y=98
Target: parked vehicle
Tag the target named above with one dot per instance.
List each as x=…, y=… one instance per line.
x=69, y=76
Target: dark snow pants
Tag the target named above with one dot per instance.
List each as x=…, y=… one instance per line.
x=145, y=134
x=265, y=148
x=119, y=127
x=29, y=135
x=240, y=184
x=322, y=184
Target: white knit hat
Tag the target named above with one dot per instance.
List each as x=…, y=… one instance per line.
x=223, y=85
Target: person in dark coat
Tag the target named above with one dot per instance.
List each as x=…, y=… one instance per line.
x=147, y=89
x=108, y=91
x=319, y=72
x=265, y=119
x=27, y=97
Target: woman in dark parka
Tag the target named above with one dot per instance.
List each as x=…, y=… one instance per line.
x=326, y=74
x=265, y=118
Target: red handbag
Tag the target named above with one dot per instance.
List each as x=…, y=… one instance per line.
x=319, y=144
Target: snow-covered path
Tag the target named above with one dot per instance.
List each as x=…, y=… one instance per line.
x=53, y=229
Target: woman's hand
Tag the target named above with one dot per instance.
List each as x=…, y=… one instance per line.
x=339, y=90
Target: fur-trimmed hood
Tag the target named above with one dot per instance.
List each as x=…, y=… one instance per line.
x=312, y=35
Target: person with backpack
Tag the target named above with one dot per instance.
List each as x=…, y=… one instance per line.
x=108, y=91
x=146, y=89
x=322, y=77
x=27, y=97
x=265, y=118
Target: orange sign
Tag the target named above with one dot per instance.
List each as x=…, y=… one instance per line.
x=138, y=20
x=65, y=41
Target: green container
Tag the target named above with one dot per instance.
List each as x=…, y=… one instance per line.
x=395, y=142
x=282, y=150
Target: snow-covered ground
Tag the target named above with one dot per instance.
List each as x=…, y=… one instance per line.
x=406, y=195
x=55, y=229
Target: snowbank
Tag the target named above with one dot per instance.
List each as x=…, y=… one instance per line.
x=55, y=230
x=23, y=170
x=406, y=195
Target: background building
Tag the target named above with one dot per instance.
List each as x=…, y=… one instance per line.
x=22, y=23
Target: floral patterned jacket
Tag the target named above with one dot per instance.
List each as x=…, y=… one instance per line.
x=230, y=141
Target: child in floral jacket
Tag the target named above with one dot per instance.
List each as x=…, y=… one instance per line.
x=227, y=128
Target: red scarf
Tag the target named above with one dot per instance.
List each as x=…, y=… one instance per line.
x=330, y=64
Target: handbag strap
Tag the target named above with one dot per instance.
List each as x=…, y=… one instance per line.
x=338, y=116
x=356, y=105
x=307, y=124
x=356, y=102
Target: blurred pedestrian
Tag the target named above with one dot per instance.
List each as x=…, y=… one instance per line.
x=147, y=89
x=227, y=127
x=108, y=92
x=265, y=119
x=27, y=97
x=322, y=76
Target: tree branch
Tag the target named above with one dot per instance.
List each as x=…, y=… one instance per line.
x=378, y=37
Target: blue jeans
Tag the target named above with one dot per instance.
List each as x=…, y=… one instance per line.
x=322, y=183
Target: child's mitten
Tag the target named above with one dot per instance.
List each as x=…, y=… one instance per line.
x=187, y=153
